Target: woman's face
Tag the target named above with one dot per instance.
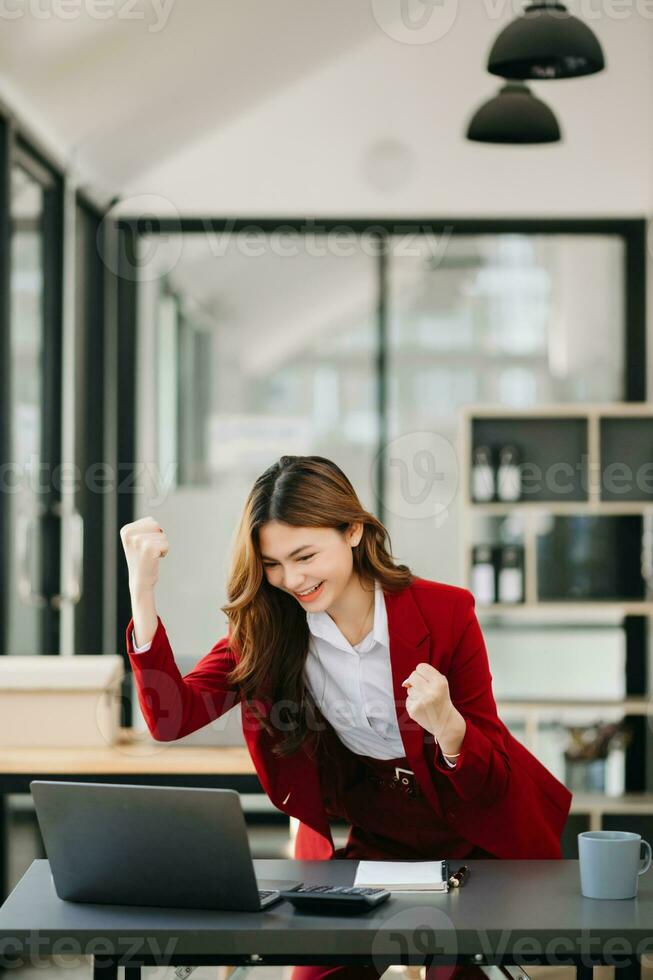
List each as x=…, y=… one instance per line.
x=296, y=559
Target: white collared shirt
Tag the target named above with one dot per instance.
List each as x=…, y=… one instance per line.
x=352, y=685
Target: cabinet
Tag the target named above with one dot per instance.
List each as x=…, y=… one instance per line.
x=583, y=523
x=587, y=481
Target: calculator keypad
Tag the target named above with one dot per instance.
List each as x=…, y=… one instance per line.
x=336, y=890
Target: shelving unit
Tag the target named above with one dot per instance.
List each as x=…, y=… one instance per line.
x=525, y=609
x=596, y=447
x=631, y=706
x=597, y=805
x=585, y=438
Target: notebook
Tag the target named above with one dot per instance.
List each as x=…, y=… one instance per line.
x=403, y=876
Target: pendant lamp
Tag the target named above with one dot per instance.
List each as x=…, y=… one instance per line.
x=515, y=115
x=546, y=41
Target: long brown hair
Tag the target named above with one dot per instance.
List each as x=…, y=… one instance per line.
x=268, y=627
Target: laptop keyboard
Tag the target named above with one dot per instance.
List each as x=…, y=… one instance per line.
x=265, y=893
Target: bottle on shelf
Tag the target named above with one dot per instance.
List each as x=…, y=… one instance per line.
x=510, y=579
x=483, y=481
x=483, y=574
x=508, y=474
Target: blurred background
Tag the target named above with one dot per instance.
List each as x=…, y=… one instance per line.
x=232, y=232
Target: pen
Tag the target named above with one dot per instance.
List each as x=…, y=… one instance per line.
x=459, y=877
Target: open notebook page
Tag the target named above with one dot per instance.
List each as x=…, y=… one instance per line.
x=403, y=875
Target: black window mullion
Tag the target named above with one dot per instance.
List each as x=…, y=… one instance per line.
x=89, y=425
x=127, y=465
x=635, y=313
x=51, y=411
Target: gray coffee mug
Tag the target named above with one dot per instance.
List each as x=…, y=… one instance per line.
x=611, y=863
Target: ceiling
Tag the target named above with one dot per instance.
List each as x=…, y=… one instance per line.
x=117, y=96
x=300, y=107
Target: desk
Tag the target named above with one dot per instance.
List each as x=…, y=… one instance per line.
x=510, y=912
x=133, y=759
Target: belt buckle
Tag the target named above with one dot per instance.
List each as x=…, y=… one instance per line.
x=406, y=780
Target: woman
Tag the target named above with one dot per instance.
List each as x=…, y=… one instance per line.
x=366, y=692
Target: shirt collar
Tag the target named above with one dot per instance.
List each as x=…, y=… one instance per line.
x=321, y=625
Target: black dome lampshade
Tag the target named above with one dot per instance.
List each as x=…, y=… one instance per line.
x=515, y=115
x=545, y=42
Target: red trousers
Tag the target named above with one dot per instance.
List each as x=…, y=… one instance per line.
x=386, y=824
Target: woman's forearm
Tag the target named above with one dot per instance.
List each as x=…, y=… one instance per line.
x=145, y=616
x=452, y=733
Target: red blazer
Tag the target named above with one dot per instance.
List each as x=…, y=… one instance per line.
x=499, y=796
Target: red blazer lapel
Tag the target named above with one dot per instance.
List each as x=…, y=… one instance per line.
x=409, y=646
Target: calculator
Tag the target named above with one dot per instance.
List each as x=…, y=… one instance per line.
x=337, y=899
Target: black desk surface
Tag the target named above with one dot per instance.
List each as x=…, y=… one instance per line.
x=506, y=906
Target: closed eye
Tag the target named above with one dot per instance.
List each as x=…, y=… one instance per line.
x=271, y=564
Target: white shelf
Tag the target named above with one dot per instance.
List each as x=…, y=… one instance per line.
x=624, y=803
x=596, y=805
x=626, y=607
x=606, y=507
x=628, y=706
x=577, y=410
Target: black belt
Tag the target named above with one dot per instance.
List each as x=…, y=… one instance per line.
x=403, y=780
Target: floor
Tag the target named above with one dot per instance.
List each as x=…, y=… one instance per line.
x=266, y=842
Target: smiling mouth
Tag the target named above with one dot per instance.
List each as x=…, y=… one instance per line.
x=304, y=595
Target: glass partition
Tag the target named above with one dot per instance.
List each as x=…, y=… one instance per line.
x=511, y=320
x=257, y=356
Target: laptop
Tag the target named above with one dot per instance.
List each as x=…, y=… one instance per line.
x=163, y=846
